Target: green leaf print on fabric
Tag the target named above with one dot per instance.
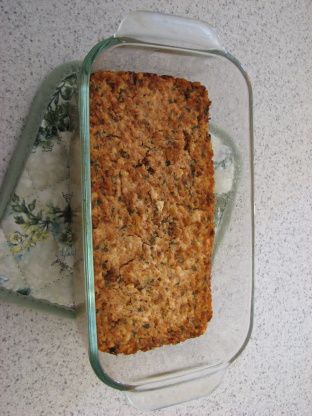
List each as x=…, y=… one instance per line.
x=36, y=225
x=221, y=202
x=57, y=117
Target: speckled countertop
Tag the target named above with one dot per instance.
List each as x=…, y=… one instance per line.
x=44, y=369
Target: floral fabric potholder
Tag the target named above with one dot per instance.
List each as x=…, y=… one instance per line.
x=37, y=254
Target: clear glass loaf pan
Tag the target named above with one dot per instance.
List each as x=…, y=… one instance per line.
x=164, y=44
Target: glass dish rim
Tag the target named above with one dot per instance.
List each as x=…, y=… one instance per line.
x=84, y=76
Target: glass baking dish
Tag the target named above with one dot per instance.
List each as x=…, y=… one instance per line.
x=165, y=44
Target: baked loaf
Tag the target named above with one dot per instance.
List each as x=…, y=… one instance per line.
x=152, y=209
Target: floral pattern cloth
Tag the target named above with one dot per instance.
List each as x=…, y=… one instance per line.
x=37, y=253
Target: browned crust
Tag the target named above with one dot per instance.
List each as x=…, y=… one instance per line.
x=152, y=209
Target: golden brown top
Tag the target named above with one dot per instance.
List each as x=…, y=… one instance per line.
x=152, y=209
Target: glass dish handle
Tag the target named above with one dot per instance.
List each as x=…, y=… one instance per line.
x=169, y=30
x=185, y=390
